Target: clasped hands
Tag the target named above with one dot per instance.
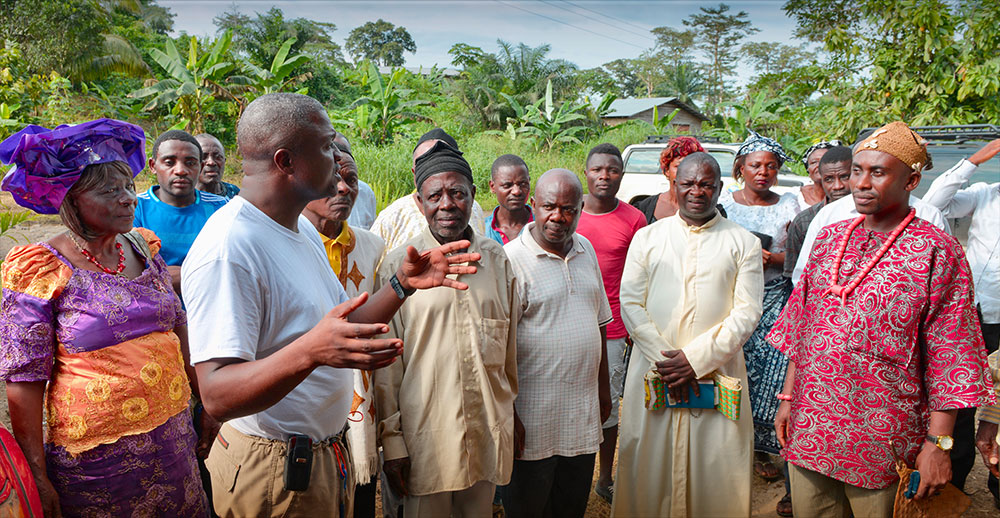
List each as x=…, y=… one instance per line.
x=678, y=374
x=353, y=345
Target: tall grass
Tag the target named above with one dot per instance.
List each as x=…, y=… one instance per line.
x=387, y=168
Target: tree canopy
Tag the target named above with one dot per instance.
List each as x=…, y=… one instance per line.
x=381, y=42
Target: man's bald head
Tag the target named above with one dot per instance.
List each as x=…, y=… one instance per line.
x=695, y=161
x=557, y=180
x=276, y=121
x=556, y=207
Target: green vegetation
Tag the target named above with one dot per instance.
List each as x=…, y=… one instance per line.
x=855, y=64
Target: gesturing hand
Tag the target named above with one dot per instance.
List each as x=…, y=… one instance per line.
x=343, y=344
x=428, y=269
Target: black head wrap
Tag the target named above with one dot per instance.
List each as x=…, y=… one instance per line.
x=437, y=134
x=441, y=158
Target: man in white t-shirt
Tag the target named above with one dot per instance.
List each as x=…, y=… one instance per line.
x=272, y=332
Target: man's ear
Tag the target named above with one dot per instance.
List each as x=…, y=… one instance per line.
x=913, y=181
x=420, y=202
x=282, y=159
x=473, y=193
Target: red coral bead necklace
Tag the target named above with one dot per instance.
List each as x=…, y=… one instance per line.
x=90, y=257
x=844, y=291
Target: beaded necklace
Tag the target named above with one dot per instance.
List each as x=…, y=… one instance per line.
x=844, y=291
x=90, y=257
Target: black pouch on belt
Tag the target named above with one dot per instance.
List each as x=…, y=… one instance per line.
x=298, y=463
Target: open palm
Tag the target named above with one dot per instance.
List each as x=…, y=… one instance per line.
x=430, y=268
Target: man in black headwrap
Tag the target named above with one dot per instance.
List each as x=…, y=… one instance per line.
x=446, y=411
x=402, y=219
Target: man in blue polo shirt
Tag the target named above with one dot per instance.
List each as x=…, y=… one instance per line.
x=173, y=208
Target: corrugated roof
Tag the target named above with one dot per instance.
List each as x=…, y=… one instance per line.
x=630, y=107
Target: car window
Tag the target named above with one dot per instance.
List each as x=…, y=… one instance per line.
x=643, y=161
x=648, y=161
x=944, y=157
x=725, y=159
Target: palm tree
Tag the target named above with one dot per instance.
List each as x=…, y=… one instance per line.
x=683, y=82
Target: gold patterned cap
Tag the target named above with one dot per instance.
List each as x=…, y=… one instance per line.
x=897, y=139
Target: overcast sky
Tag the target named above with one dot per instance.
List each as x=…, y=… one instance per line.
x=588, y=33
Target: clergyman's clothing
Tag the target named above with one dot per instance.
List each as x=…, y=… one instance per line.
x=448, y=402
x=699, y=290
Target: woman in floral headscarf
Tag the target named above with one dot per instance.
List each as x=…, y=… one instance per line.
x=91, y=327
x=765, y=213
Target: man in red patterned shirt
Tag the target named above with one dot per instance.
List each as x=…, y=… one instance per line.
x=883, y=341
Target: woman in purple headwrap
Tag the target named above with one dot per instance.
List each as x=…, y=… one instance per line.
x=91, y=328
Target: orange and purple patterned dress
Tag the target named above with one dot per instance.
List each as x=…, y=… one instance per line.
x=120, y=441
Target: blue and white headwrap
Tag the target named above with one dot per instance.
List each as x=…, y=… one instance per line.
x=825, y=144
x=757, y=142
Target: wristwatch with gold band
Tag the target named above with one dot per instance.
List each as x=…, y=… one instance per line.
x=944, y=442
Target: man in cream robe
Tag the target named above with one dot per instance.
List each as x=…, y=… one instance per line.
x=692, y=283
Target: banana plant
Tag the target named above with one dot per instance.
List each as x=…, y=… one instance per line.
x=662, y=125
x=544, y=123
x=379, y=116
x=192, y=84
x=277, y=78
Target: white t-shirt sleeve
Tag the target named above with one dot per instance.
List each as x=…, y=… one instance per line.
x=224, y=311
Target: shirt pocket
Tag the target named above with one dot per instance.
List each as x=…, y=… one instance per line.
x=493, y=341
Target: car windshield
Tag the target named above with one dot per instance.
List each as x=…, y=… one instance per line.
x=944, y=157
x=648, y=161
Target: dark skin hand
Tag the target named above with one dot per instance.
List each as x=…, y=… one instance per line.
x=986, y=442
x=678, y=374
x=933, y=463
x=519, y=436
x=344, y=338
x=397, y=472
x=25, y=400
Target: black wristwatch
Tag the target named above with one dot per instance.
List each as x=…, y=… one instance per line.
x=398, y=288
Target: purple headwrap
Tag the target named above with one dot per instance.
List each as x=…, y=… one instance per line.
x=757, y=142
x=48, y=162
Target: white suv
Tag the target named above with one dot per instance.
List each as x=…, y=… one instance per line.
x=643, y=178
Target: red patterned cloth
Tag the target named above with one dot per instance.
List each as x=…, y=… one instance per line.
x=869, y=373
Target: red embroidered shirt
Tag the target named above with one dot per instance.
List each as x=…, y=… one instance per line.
x=868, y=373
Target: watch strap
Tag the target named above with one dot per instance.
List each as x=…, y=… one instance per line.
x=398, y=288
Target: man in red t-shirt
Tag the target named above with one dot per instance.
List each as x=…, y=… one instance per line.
x=609, y=226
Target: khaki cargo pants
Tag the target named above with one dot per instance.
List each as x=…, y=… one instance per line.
x=248, y=478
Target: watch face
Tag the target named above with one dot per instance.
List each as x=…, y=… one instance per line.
x=946, y=442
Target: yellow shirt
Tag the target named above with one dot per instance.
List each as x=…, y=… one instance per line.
x=338, y=247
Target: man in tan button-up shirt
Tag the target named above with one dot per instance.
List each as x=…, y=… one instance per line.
x=446, y=410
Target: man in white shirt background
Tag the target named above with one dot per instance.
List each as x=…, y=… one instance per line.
x=982, y=202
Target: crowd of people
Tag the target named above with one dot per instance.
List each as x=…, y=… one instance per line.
x=277, y=348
